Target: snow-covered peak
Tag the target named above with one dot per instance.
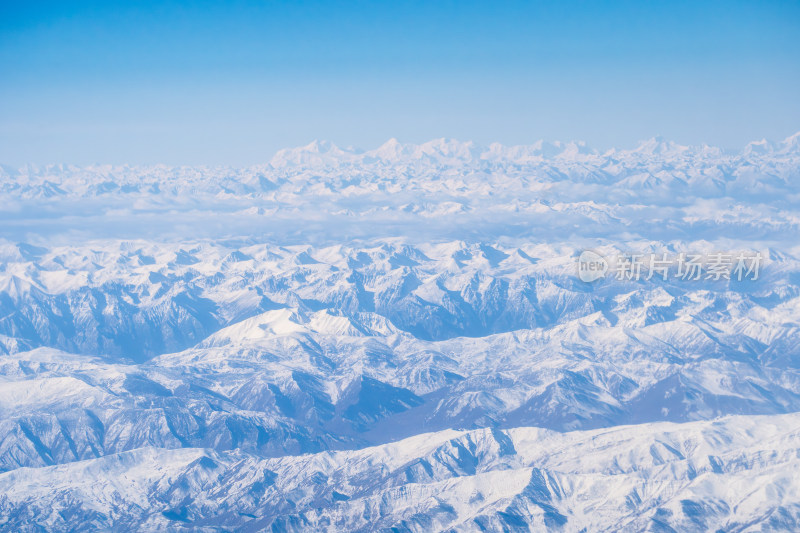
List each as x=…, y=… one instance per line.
x=758, y=147
x=391, y=151
x=289, y=322
x=315, y=153
x=659, y=146
x=448, y=150
x=790, y=145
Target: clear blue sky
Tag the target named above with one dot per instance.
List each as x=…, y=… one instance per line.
x=207, y=83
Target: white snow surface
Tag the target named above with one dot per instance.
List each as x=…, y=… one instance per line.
x=396, y=339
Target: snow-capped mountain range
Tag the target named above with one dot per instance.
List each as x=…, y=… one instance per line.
x=397, y=339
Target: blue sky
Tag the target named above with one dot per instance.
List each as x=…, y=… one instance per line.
x=207, y=83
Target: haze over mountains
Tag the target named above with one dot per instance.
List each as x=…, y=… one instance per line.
x=397, y=338
x=444, y=189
